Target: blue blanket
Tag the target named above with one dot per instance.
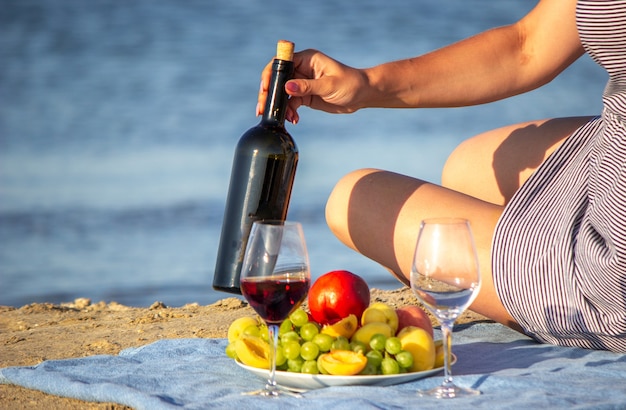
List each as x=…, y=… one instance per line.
x=511, y=370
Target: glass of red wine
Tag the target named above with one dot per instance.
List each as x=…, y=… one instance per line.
x=275, y=279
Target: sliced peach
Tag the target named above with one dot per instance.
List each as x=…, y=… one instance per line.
x=421, y=345
x=343, y=362
x=253, y=351
x=439, y=361
x=345, y=327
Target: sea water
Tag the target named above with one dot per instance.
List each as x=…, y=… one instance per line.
x=118, y=122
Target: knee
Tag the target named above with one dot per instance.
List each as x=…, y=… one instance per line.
x=469, y=170
x=338, y=203
x=455, y=170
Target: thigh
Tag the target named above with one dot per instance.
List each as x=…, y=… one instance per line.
x=493, y=165
x=378, y=213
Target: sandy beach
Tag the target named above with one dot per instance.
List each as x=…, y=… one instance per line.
x=38, y=332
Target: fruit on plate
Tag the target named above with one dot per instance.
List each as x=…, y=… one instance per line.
x=343, y=362
x=336, y=295
x=303, y=344
x=439, y=360
x=380, y=312
x=253, y=351
x=345, y=327
x=421, y=345
x=238, y=326
x=414, y=316
x=365, y=333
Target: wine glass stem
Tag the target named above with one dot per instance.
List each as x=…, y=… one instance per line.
x=446, y=330
x=273, y=338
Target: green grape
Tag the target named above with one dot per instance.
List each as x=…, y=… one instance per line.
x=393, y=345
x=265, y=333
x=310, y=367
x=295, y=365
x=299, y=317
x=230, y=351
x=252, y=330
x=374, y=357
x=369, y=369
x=291, y=336
x=309, y=351
x=404, y=359
x=340, y=343
x=389, y=366
x=286, y=326
x=377, y=342
x=323, y=341
x=280, y=356
x=291, y=349
x=308, y=331
x=358, y=347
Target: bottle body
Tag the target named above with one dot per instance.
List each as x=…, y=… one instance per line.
x=263, y=172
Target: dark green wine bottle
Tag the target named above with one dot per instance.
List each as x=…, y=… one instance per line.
x=264, y=168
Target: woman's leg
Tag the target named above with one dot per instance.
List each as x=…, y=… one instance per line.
x=378, y=213
x=493, y=165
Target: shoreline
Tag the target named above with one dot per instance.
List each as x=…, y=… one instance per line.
x=43, y=331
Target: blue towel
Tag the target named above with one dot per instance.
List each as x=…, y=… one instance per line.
x=511, y=370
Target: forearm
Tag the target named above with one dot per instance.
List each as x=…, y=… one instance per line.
x=490, y=66
x=484, y=68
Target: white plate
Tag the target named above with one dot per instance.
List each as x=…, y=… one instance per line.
x=303, y=382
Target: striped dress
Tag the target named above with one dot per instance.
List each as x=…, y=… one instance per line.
x=559, y=250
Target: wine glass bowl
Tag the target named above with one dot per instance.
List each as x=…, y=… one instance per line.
x=275, y=279
x=445, y=278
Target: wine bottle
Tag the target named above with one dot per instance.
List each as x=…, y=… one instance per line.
x=263, y=172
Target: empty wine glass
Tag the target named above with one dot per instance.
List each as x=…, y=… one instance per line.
x=446, y=279
x=275, y=279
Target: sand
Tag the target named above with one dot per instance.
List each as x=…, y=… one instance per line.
x=38, y=332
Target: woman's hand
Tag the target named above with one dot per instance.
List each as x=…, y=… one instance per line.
x=489, y=66
x=319, y=82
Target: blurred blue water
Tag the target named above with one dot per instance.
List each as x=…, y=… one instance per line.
x=118, y=122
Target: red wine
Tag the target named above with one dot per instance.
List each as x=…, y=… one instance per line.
x=263, y=172
x=274, y=297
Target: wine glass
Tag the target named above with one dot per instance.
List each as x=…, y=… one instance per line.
x=275, y=279
x=445, y=278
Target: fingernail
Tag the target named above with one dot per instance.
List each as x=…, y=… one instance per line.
x=292, y=86
x=258, y=109
x=292, y=117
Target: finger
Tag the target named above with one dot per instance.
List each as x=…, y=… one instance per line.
x=292, y=109
x=322, y=88
x=292, y=116
x=263, y=88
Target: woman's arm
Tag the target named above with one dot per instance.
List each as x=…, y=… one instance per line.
x=493, y=65
x=496, y=64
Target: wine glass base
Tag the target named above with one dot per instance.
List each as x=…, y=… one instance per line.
x=448, y=392
x=275, y=392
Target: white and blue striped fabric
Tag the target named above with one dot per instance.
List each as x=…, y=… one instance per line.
x=559, y=251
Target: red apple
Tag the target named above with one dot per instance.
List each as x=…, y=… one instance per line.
x=414, y=316
x=336, y=295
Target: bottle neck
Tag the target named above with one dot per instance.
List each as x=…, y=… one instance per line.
x=277, y=98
